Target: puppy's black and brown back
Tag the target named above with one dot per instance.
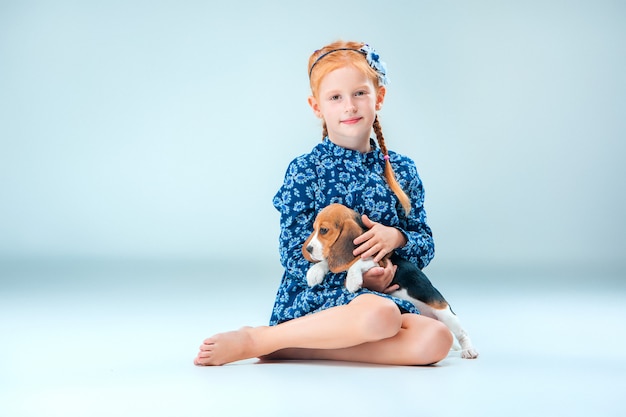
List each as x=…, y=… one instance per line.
x=417, y=288
x=417, y=285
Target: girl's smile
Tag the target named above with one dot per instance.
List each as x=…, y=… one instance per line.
x=352, y=121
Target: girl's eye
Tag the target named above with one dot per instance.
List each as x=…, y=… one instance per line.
x=335, y=97
x=360, y=93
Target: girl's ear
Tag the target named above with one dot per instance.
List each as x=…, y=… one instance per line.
x=380, y=97
x=315, y=106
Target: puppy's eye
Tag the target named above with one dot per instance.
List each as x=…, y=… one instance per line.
x=323, y=231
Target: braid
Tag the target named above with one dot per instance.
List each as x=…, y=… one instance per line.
x=389, y=174
x=324, y=131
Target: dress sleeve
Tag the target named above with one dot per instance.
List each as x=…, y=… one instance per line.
x=295, y=201
x=420, y=246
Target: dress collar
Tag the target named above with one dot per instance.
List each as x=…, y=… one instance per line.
x=339, y=151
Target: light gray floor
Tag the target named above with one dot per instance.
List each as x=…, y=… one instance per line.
x=99, y=339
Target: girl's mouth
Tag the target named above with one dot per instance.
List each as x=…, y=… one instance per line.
x=351, y=121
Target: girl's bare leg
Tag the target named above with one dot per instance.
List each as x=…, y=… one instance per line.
x=368, y=318
x=420, y=341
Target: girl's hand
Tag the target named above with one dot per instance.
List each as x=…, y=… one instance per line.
x=379, y=278
x=378, y=241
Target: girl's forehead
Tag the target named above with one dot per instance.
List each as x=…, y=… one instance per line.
x=345, y=77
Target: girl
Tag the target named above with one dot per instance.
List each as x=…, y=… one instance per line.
x=326, y=321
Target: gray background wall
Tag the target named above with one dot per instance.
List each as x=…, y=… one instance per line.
x=161, y=130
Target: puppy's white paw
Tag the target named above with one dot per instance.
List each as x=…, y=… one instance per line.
x=354, y=280
x=470, y=353
x=315, y=274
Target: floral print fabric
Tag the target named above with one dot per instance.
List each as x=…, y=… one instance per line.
x=332, y=174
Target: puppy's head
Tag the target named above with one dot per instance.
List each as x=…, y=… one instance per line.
x=334, y=231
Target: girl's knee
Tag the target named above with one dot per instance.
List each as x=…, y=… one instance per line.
x=378, y=317
x=430, y=341
x=440, y=341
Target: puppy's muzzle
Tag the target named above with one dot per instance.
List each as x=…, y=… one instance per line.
x=311, y=251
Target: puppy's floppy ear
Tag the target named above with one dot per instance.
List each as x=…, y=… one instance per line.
x=340, y=256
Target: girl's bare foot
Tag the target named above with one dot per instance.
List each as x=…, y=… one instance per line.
x=227, y=347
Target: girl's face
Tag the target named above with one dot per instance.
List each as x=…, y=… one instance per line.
x=347, y=101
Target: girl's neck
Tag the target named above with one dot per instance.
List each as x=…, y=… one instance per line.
x=359, y=145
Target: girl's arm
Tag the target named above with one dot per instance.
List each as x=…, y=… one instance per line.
x=295, y=201
x=420, y=246
x=411, y=238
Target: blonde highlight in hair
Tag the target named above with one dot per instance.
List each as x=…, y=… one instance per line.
x=346, y=54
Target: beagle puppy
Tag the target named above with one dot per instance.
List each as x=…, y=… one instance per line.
x=330, y=248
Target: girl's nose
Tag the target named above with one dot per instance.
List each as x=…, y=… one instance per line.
x=350, y=106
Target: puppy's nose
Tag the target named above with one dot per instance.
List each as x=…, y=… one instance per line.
x=309, y=249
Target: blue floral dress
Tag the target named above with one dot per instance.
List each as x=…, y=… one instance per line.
x=332, y=174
